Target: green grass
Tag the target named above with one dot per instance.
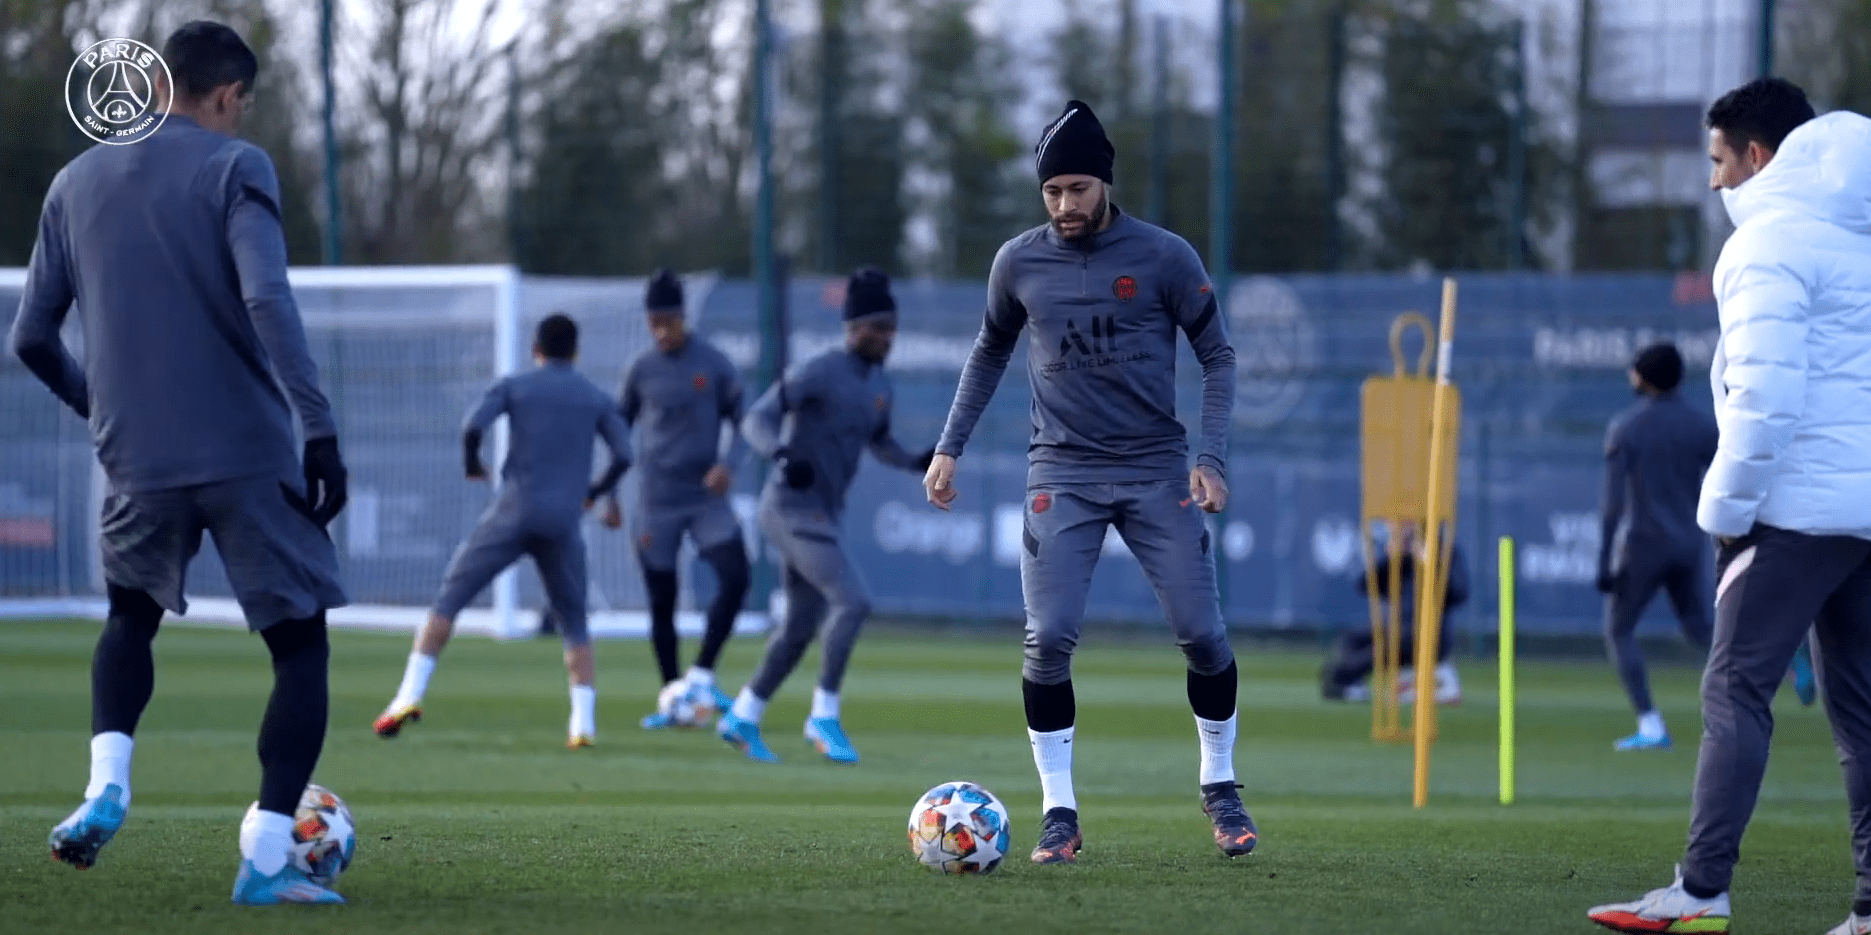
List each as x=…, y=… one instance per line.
x=477, y=820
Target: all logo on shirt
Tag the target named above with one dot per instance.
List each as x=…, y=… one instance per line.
x=701, y=381
x=1124, y=288
x=1078, y=353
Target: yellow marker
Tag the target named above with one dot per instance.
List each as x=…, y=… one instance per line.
x=1442, y=457
x=1506, y=652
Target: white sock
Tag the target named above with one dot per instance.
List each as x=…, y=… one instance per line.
x=1217, y=748
x=266, y=839
x=700, y=677
x=749, y=708
x=110, y=763
x=415, y=681
x=1052, y=753
x=1650, y=726
x=584, y=711
x=824, y=703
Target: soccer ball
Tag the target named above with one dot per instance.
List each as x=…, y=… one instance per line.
x=681, y=705
x=324, y=838
x=959, y=827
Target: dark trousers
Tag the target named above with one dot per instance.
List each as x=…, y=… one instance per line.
x=1353, y=655
x=1685, y=578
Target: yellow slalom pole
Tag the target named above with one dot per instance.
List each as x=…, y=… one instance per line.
x=1429, y=605
x=1506, y=652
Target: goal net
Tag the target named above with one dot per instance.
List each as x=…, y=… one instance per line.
x=403, y=354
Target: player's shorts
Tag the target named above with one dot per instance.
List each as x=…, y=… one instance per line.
x=280, y=564
x=657, y=530
x=499, y=540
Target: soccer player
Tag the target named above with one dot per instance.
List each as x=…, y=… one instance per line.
x=814, y=424
x=173, y=251
x=554, y=418
x=1788, y=497
x=1656, y=453
x=1102, y=295
x=1355, y=655
x=679, y=395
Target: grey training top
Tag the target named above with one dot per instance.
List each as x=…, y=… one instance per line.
x=554, y=415
x=678, y=403
x=1655, y=455
x=173, y=251
x=1102, y=316
x=825, y=411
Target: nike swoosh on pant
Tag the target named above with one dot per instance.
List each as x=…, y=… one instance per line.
x=1733, y=572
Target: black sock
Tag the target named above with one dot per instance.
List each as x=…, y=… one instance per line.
x=293, y=733
x=123, y=670
x=1700, y=892
x=729, y=561
x=1049, y=707
x=661, y=586
x=1212, y=696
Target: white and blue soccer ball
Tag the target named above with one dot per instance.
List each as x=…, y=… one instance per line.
x=959, y=828
x=324, y=836
x=686, y=705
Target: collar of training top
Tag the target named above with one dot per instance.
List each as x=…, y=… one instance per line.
x=1093, y=242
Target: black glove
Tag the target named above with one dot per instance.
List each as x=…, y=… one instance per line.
x=325, y=479
x=1607, y=582
x=471, y=455
x=798, y=472
x=925, y=459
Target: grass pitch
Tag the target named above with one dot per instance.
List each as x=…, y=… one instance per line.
x=477, y=819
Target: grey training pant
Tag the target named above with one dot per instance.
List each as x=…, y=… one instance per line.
x=1685, y=578
x=500, y=539
x=822, y=587
x=1065, y=529
x=1772, y=584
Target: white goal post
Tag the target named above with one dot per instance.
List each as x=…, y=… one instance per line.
x=403, y=353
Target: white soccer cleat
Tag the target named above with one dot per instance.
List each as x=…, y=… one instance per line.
x=1448, y=685
x=1668, y=910
x=1853, y=925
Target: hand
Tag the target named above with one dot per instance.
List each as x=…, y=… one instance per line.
x=799, y=474
x=325, y=480
x=476, y=472
x=939, y=481
x=717, y=480
x=1724, y=541
x=1207, y=489
x=612, y=517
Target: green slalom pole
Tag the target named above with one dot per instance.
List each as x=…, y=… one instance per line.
x=1507, y=670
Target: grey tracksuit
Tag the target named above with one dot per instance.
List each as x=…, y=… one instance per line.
x=173, y=252
x=826, y=412
x=1107, y=448
x=1656, y=454
x=677, y=404
x=554, y=418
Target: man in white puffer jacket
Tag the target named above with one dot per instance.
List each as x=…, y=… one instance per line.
x=1788, y=497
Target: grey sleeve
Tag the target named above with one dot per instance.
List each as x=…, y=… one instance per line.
x=987, y=362
x=257, y=243
x=616, y=436
x=629, y=399
x=732, y=394
x=762, y=425
x=1617, y=480
x=43, y=305
x=1190, y=297
x=492, y=404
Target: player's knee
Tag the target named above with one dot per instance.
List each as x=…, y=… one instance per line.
x=729, y=561
x=302, y=639
x=661, y=586
x=1049, y=654
x=1209, y=654
x=134, y=612
x=855, y=608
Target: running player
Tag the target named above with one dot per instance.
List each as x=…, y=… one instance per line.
x=679, y=395
x=173, y=251
x=1656, y=453
x=814, y=424
x=554, y=418
x=1102, y=295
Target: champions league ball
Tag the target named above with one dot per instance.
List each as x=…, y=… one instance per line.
x=959, y=827
x=324, y=838
x=683, y=705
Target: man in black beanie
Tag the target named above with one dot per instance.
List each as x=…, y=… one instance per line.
x=1103, y=295
x=677, y=396
x=814, y=423
x=1656, y=453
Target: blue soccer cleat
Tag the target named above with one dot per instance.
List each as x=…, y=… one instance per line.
x=79, y=837
x=722, y=702
x=289, y=885
x=1640, y=742
x=1804, y=684
x=745, y=736
x=657, y=720
x=828, y=736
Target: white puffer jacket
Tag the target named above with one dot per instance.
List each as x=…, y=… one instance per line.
x=1792, y=372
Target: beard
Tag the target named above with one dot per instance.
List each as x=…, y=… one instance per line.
x=1089, y=223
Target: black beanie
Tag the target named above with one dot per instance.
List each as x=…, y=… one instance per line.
x=867, y=293
x=1661, y=366
x=1075, y=144
x=664, y=293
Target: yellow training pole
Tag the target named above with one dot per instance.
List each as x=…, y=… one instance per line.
x=1506, y=652
x=1429, y=604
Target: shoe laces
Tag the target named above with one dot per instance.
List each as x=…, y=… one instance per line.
x=1056, y=829
x=1223, y=804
